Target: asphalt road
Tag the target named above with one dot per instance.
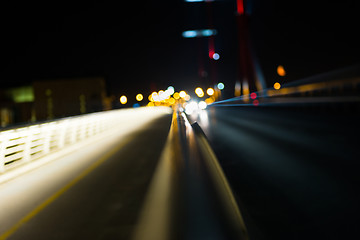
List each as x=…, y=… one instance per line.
x=294, y=170
x=294, y=173
x=94, y=193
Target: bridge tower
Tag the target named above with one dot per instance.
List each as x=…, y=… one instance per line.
x=250, y=78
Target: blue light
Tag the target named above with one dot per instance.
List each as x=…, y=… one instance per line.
x=136, y=105
x=189, y=34
x=216, y=56
x=208, y=32
x=199, y=33
x=220, y=86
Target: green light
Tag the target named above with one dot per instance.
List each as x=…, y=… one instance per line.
x=22, y=94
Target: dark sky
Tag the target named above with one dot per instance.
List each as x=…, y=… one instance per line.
x=137, y=45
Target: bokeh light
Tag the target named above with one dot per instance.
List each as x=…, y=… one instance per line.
x=281, y=71
x=182, y=94
x=277, y=86
x=210, y=91
x=123, y=99
x=139, y=97
x=216, y=56
x=202, y=105
x=199, y=92
x=220, y=86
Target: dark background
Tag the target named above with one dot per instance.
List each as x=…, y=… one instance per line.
x=137, y=45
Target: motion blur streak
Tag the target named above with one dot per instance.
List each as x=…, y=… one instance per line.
x=73, y=175
x=156, y=218
x=56, y=195
x=294, y=168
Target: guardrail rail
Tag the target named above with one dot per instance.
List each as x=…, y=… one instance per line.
x=27, y=144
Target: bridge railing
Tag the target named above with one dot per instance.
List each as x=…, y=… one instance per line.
x=26, y=144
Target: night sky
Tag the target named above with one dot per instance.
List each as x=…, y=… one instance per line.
x=137, y=45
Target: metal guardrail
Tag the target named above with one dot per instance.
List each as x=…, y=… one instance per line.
x=27, y=144
x=189, y=196
x=213, y=209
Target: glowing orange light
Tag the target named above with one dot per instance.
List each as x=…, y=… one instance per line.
x=281, y=71
x=209, y=100
x=277, y=86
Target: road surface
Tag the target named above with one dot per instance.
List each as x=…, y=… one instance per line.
x=96, y=192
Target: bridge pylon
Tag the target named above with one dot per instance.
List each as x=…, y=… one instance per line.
x=250, y=78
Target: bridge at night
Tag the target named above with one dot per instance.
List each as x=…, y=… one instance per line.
x=256, y=165
x=180, y=120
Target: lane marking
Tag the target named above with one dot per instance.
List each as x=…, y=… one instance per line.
x=60, y=192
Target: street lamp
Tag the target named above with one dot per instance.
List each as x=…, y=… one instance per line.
x=199, y=92
x=123, y=99
x=220, y=86
x=281, y=71
x=139, y=97
x=277, y=86
x=210, y=91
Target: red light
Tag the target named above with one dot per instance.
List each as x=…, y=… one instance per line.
x=240, y=6
x=256, y=102
x=211, y=47
x=211, y=53
x=253, y=95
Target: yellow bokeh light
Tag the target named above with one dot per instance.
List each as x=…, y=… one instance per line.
x=172, y=101
x=277, y=86
x=139, y=97
x=182, y=94
x=155, y=97
x=123, y=99
x=187, y=97
x=209, y=100
x=199, y=92
x=210, y=91
x=281, y=70
x=176, y=95
x=151, y=104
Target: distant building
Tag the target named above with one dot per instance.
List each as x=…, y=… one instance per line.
x=16, y=105
x=49, y=99
x=68, y=97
